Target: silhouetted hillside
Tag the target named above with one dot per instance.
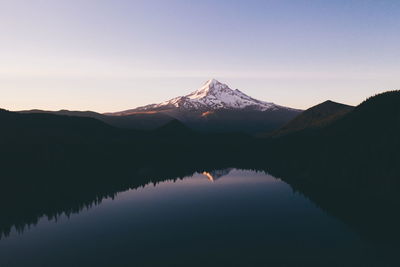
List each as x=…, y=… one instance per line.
x=217, y=121
x=239, y=121
x=366, y=139
x=350, y=167
x=38, y=128
x=317, y=116
x=41, y=140
x=174, y=127
x=139, y=121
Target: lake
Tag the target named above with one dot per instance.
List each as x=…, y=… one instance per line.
x=225, y=217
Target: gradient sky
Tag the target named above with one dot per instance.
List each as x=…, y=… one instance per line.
x=118, y=54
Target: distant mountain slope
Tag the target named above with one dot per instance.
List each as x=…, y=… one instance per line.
x=217, y=108
x=245, y=121
x=316, y=116
x=138, y=121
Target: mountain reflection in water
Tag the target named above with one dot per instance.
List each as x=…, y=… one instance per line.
x=216, y=174
x=251, y=217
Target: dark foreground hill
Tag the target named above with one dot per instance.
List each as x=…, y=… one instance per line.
x=369, y=132
x=43, y=141
x=350, y=167
x=41, y=128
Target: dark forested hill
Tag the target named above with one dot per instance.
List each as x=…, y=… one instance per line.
x=38, y=128
x=138, y=121
x=314, y=117
x=366, y=137
x=216, y=121
x=350, y=167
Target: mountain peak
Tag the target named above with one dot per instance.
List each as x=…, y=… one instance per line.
x=211, y=82
x=211, y=86
x=213, y=95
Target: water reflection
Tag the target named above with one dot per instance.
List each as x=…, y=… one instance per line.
x=253, y=219
x=216, y=174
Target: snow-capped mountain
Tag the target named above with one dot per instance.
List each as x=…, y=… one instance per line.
x=213, y=95
x=215, y=107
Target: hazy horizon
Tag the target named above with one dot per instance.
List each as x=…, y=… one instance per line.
x=111, y=56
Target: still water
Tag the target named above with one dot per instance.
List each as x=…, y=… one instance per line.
x=222, y=218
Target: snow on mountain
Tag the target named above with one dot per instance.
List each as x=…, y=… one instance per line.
x=212, y=95
x=215, y=107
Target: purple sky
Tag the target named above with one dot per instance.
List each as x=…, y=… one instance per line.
x=115, y=55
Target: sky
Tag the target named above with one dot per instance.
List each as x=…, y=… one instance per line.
x=115, y=55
